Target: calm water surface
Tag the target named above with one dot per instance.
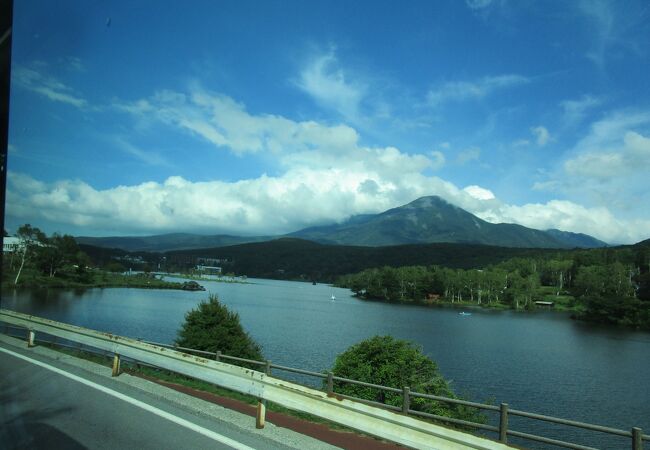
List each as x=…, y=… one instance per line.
x=542, y=362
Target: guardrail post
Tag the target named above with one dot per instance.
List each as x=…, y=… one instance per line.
x=330, y=384
x=218, y=356
x=637, y=439
x=30, y=338
x=261, y=414
x=503, y=423
x=261, y=403
x=406, y=399
x=116, y=365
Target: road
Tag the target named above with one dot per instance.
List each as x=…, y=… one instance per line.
x=47, y=403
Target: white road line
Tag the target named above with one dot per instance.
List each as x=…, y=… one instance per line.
x=159, y=412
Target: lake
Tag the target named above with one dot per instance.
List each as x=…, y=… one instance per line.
x=541, y=362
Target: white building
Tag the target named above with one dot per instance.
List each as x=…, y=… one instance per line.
x=10, y=244
x=210, y=270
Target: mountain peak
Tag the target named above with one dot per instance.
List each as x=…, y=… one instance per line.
x=428, y=202
x=432, y=219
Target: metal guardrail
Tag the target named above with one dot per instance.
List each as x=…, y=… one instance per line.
x=502, y=430
x=372, y=420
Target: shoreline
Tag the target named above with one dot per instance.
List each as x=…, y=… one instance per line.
x=469, y=305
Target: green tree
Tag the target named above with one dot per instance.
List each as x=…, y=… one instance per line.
x=115, y=267
x=57, y=253
x=396, y=363
x=31, y=239
x=213, y=327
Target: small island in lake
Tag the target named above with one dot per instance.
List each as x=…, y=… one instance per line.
x=192, y=286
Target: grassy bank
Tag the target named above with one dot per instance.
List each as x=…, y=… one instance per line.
x=88, y=279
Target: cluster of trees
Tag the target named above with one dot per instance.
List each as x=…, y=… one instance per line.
x=611, y=286
x=57, y=255
x=515, y=282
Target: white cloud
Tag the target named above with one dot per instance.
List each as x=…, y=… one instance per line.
x=615, y=27
x=478, y=4
x=47, y=86
x=326, y=83
x=75, y=63
x=265, y=205
x=521, y=143
x=472, y=90
x=576, y=110
x=467, y=155
x=541, y=134
x=325, y=175
x=600, y=14
x=479, y=193
x=568, y=216
x=609, y=166
x=438, y=159
x=299, y=198
x=630, y=157
x=225, y=123
x=148, y=157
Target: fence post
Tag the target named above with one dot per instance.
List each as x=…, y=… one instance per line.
x=330, y=384
x=261, y=414
x=503, y=423
x=30, y=338
x=261, y=403
x=406, y=399
x=218, y=356
x=637, y=439
x=116, y=365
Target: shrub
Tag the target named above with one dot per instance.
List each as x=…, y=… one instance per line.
x=213, y=327
x=391, y=362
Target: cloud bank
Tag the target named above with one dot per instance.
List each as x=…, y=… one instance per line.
x=325, y=174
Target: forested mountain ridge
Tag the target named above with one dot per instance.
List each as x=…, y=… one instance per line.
x=576, y=240
x=292, y=258
x=424, y=221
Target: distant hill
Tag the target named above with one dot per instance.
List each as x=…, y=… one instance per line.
x=576, y=240
x=167, y=242
x=432, y=219
x=423, y=221
x=645, y=243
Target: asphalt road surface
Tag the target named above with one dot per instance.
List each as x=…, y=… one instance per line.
x=45, y=403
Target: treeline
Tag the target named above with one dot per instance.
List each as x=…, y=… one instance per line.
x=37, y=255
x=608, y=285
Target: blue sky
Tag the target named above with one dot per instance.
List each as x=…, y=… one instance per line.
x=132, y=118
